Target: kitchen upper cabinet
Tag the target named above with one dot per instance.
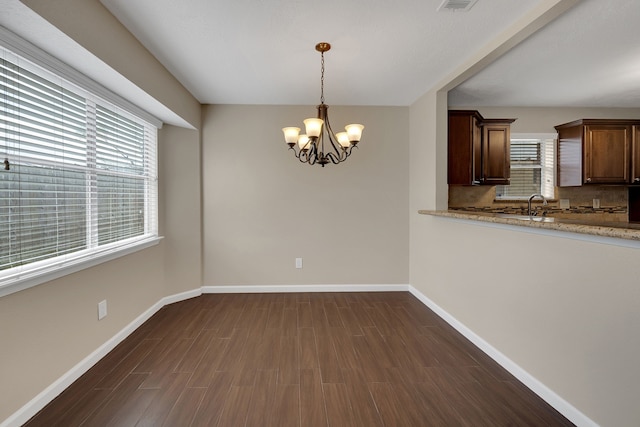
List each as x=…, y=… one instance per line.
x=598, y=152
x=496, y=140
x=635, y=155
x=478, y=149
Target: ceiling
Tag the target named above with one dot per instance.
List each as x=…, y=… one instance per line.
x=385, y=52
x=588, y=57
x=388, y=52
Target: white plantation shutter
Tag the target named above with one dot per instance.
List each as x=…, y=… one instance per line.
x=532, y=167
x=525, y=168
x=82, y=172
x=548, y=167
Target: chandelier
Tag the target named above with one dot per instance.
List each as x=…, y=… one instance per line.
x=319, y=144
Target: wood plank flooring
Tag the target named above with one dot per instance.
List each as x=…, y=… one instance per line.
x=304, y=359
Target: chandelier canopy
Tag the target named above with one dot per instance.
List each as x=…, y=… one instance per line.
x=310, y=147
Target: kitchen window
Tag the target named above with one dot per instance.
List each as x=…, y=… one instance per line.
x=532, y=167
x=78, y=182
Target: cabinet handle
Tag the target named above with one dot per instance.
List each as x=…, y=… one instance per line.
x=588, y=179
x=636, y=180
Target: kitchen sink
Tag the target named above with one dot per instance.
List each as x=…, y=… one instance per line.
x=527, y=218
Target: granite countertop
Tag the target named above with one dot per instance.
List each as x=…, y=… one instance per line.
x=621, y=230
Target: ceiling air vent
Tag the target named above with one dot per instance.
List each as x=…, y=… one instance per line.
x=457, y=5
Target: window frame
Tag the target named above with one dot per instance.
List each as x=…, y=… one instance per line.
x=15, y=279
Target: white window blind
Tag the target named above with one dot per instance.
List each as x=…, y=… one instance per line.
x=79, y=177
x=532, y=168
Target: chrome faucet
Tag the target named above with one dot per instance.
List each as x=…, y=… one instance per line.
x=533, y=196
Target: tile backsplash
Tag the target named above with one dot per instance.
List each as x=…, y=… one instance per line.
x=613, y=202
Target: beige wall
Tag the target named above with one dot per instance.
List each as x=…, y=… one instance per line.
x=262, y=208
x=180, y=201
x=428, y=159
x=48, y=329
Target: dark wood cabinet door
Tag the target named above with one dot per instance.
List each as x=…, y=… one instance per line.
x=463, y=164
x=496, y=163
x=635, y=155
x=606, y=154
x=477, y=151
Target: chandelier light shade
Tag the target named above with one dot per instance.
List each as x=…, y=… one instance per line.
x=319, y=145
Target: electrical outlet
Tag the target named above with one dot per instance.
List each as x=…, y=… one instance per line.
x=102, y=309
x=596, y=203
x=564, y=204
x=298, y=262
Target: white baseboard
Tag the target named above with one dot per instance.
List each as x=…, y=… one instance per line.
x=47, y=395
x=544, y=392
x=301, y=288
x=180, y=297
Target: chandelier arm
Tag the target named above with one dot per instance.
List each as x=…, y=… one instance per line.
x=304, y=156
x=311, y=155
x=320, y=145
x=334, y=159
x=300, y=155
x=337, y=148
x=337, y=157
x=347, y=151
x=296, y=153
x=344, y=154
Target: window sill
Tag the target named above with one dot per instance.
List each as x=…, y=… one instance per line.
x=29, y=279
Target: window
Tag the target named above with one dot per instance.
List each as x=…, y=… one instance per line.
x=532, y=167
x=79, y=178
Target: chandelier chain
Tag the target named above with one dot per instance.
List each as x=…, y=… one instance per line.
x=322, y=78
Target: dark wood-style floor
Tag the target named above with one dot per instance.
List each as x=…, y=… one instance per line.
x=306, y=359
